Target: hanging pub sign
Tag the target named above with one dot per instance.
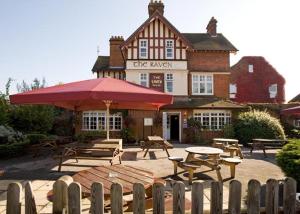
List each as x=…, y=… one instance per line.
x=156, y=81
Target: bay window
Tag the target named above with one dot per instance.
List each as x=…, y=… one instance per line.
x=202, y=84
x=143, y=49
x=96, y=121
x=169, y=83
x=215, y=120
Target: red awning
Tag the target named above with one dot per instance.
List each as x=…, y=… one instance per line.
x=291, y=111
x=90, y=94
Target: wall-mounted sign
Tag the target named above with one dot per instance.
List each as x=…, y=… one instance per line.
x=148, y=122
x=156, y=65
x=156, y=81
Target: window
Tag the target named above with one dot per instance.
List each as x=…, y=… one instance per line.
x=143, y=51
x=250, y=68
x=96, y=121
x=144, y=80
x=170, y=49
x=232, y=90
x=273, y=90
x=202, y=84
x=213, y=120
x=169, y=83
x=297, y=123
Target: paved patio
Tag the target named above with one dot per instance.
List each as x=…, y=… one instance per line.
x=42, y=171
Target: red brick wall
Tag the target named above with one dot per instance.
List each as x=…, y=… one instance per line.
x=254, y=87
x=116, y=57
x=221, y=85
x=208, y=61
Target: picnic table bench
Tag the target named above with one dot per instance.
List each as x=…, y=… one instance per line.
x=228, y=145
x=265, y=144
x=157, y=142
x=91, y=151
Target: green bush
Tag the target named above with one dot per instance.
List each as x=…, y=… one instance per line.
x=13, y=150
x=289, y=160
x=257, y=124
x=9, y=135
x=3, y=110
x=87, y=136
x=36, y=138
x=193, y=132
x=127, y=135
x=228, y=131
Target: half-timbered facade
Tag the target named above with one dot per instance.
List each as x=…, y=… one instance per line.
x=194, y=67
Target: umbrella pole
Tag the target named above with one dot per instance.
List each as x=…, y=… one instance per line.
x=107, y=104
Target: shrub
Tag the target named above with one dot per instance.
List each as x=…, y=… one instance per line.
x=9, y=135
x=36, y=138
x=289, y=160
x=87, y=136
x=3, y=110
x=257, y=124
x=13, y=150
x=127, y=135
x=229, y=131
x=193, y=132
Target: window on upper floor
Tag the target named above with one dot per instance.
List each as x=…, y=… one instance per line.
x=213, y=120
x=169, y=49
x=143, y=50
x=144, y=81
x=169, y=83
x=232, y=90
x=202, y=84
x=250, y=68
x=273, y=90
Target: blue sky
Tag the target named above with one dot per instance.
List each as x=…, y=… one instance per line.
x=58, y=39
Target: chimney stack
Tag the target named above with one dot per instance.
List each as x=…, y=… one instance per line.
x=154, y=6
x=116, y=58
x=212, y=27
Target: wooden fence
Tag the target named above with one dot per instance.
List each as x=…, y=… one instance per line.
x=67, y=198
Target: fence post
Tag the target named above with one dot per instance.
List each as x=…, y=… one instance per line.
x=289, y=196
x=235, y=197
x=216, y=197
x=116, y=192
x=97, y=200
x=272, y=188
x=30, y=206
x=197, y=198
x=179, y=198
x=13, y=204
x=74, y=198
x=138, y=198
x=60, y=194
x=158, y=198
x=253, y=197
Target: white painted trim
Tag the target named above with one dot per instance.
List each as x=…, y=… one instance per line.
x=180, y=125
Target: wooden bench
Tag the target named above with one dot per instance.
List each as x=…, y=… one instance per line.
x=265, y=144
x=231, y=162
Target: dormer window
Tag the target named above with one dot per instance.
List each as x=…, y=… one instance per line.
x=170, y=49
x=250, y=68
x=143, y=50
x=273, y=90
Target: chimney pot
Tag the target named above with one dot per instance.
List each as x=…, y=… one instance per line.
x=154, y=6
x=212, y=27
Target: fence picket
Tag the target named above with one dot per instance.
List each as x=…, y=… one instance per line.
x=60, y=194
x=97, y=200
x=138, y=198
x=158, y=198
x=13, y=204
x=216, y=197
x=272, y=188
x=116, y=193
x=235, y=197
x=179, y=198
x=253, y=198
x=289, y=196
x=74, y=198
x=197, y=198
x=30, y=206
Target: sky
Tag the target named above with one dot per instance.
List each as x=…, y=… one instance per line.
x=57, y=39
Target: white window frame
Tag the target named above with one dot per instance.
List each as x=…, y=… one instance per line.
x=100, y=115
x=205, y=81
x=297, y=123
x=142, y=47
x=169, y=45
x=273, y=93
x=250, y=68
x=206, y=118
x=142, y=79
x=232, y=91
x=169, y=78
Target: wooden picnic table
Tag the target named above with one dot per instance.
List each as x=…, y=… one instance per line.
x=264, y=144
x=89, y=151
x=211, y=158
x=155, y=142
x=107, y=175
x=228, y=145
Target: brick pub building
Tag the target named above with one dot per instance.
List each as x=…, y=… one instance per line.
x=193, y=67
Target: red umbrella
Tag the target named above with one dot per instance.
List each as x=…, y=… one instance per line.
x=291, y=111
x=96, y=94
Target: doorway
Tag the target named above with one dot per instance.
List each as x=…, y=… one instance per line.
x=174, y=127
